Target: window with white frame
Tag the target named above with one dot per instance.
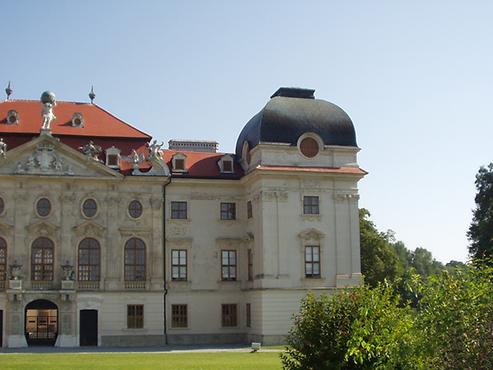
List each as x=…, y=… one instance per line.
x=179, y=162
x=228, y=211
x=113, y=157
x=179, y=210
x=312, y=261
x=226, y=164
x=311, y=205
x=179, y=264
x=228, y=265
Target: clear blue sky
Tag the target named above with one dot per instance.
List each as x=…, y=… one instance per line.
x=416, y=77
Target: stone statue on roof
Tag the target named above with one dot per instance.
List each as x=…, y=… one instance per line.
x=49, y=101
x=3, y=148
x=155, y=150
x=91, y=150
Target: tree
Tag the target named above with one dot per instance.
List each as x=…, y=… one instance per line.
x=424, y=263
x=379, y=260
x=481, y=230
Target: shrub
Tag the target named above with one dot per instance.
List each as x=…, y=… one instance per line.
x=360, y=328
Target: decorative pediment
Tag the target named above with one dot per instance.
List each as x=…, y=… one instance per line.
x=311, y=234
x=47, y=156
x=44, y=160
x=135, y=231
x=159, y=168
x=89, y=228
x=6, y=229
x=43, y=228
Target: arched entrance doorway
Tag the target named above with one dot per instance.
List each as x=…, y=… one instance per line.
x=41, y=320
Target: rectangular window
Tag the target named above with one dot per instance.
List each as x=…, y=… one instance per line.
x=228, y=265
x=179, y=316
x=179, y=264
x=227, y=166
x=179, y=210
x=112, y=160
x=310, y=205
x=135, y=316
x=248, y=315
x=312, y=261
x=249, y=209
x=179, y=164
x=250, y=265
x=229, y=317
x=228, y=211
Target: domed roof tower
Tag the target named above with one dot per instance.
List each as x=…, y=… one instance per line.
x=293, y=112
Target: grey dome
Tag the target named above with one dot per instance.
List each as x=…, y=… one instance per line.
x=290, y=113
x=48, y=97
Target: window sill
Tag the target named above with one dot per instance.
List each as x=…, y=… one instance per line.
x=311, y=217
x=179, y=220
x=136, y=330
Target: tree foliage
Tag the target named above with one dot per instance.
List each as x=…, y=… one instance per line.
x=451, y=326
x=362, y=328
x=383, y=257
x=379, y=261
x=481, y=230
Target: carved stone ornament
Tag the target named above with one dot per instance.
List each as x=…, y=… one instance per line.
x=155, y=150
x=3, y=148
x=91, y=150
x=311, y=234
x=342, y=196
x=44, y=161
x=42, y=228
x=68, y=271
x=158, y=168
x=89, y=228
x=135, y=158
x=15, y=270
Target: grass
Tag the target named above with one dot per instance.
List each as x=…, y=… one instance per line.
x=140, y=361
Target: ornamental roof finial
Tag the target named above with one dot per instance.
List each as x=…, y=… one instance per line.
x=8, y=91
x=92, y=95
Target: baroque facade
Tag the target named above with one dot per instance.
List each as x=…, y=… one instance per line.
x=107, y=238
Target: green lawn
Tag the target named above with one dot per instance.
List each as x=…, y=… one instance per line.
x=139, y=361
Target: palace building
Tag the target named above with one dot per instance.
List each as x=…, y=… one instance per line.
x=109, y=239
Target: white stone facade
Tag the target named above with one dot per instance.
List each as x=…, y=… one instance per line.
x=227, y=257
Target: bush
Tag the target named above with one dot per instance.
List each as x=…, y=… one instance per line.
x=455, y=320
x=448, y=324
x=360, y=328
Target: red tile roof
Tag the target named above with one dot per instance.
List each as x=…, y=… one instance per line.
x=202, y=165
x=97, y=121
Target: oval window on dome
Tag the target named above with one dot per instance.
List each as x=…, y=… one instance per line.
x=89, y=208
x=309, y=147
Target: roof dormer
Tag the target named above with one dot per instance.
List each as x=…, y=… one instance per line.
x=179, y=162
x=77, y=120
x=113, y=157
x=226, y=164
x=12, y=117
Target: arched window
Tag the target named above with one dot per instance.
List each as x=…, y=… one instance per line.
x=3, y=259
x=135, y=260
x=42, y=260
x=89, y=260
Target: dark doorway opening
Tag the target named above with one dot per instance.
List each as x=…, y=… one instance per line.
x=88, y=328
x=1, y=328
x=41, y=325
